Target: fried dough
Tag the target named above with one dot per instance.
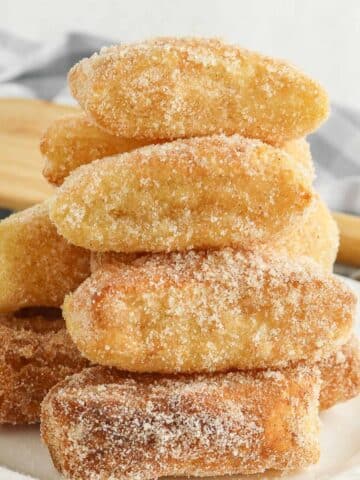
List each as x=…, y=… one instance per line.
x=169, y=88
x=209, y=311
x=74, y=140
x=340, y=373
x=37, y=266
x=107, y=424
x=36, y=353
x=199, y=193
x=315, y=235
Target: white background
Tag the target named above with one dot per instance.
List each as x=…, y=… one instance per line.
x=321, y=36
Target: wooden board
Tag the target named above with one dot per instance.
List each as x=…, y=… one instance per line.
x=349, y=251
x=22, y=122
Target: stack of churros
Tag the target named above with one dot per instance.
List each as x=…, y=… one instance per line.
x=38, y=267
x=214, y=325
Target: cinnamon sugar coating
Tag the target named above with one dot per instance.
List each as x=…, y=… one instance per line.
x=74, y=140
x=340, y=373
x=299, y=150
x=37, y=266
x=185, y=87
x=204, y=192
x=36, y=353
x=209, y=311
x=315, y=235
x=104, y=424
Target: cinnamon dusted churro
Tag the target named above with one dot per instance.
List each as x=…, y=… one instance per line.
x=74, y=140
x=205, y=192
x=185, y=87
x=107, y=424
x=37, y=265
x=315, y=235
x=209, y=311
x=340, y=373
x=36, y=353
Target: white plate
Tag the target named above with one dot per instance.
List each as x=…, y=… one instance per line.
x=22, y=451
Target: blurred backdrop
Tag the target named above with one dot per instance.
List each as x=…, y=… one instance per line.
x=321, y=36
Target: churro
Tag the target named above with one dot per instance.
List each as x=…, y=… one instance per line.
x=315, y=235
x=37, y=266
x=36, y=353
x=74, y=140
x=340, y=373
x=170, y=88
x=209, y=311
x=107, y=424
x=205, y=192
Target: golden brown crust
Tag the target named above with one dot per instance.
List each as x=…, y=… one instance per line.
x=340, y=374
x=171, y=88
x=315, y=235
x=199, y=193
x=150, y=426
x=35, y=354
x=74, y=140
x=209, y=311
x=299, y=150
x=37, y=266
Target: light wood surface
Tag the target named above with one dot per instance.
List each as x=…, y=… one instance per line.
x=22, y=122
x=349, y=251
